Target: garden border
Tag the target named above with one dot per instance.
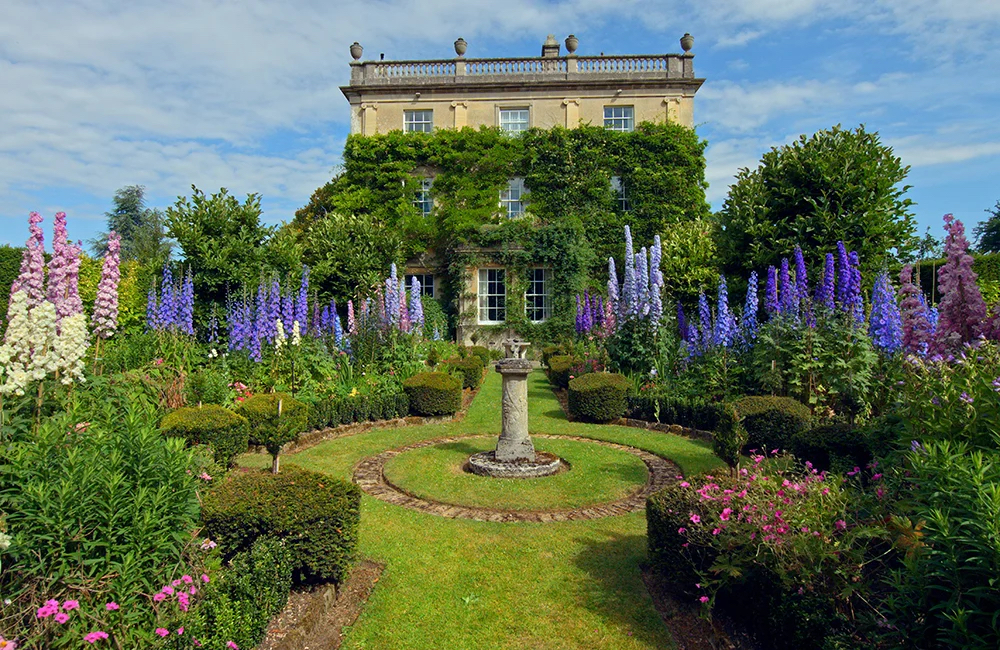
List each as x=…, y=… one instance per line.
x=370, y=477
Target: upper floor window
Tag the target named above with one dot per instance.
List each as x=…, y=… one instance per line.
x=537, y=299
x=618, y=187
x=619, y=118
x=492, y=296
x=418, y=121
x=513, y=120
x=512, y=198
x=426, y=281
x=423, y=200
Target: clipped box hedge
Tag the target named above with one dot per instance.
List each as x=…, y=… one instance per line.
x=336, y=410
x=550, y=351
x=772, y=422
x=690, y=413
x=480, y=351
x=314, y=514
x=470, y=368
x=560, y=367
x=433, y=393
x=267, y=427
x=226, y=433
x=599, y=396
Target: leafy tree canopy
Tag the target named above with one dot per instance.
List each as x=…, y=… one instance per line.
x=834, y=185
x=140, y=228
x=988, y=232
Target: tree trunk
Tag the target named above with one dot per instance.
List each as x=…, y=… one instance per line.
x=274, y=464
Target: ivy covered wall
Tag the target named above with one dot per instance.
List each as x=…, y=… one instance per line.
x=365, y=217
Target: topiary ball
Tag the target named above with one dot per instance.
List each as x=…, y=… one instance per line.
x=599, y=396
x=225, y=432
x=433, y=393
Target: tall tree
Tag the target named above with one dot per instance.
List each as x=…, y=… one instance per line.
x=988, y=232
x=140, y=228
x=836, y=185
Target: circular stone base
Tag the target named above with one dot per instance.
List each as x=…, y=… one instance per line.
x=486, y=464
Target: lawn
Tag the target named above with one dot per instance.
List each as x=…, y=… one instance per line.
x=454, y=583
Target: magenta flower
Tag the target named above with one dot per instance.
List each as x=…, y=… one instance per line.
x=726, y=512
x=112, y=606
x=70, y=605
x=703, y=599
x=168, y=590
x=180, y=630
x=232, y=646
x=682, y=530
x=840, y=524
x=204, y=577
x=61, y=617
x=695, y=519
x=46, y=611
x=162, y=631
x=94, y=637
x=159, y=597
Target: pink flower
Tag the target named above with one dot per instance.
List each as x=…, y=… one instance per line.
x=681, y=530
x=70, y=605
x=193, y=590
x=159, y=597
x=703, y=599
x=94, y=637
x=232, y=646
x=204, y=578
x=876, y=477
x=695, y=519
x=61, y=617
x=716, y=531
x=7, y=644
x=162, y=631
x=176, y=583
x=186, y=579
x=685, y=484
x=725, y=514
x=840, y=524
x=45, y=611
x=168, y=590
x=112, y=606
x=180, y=630
x=52, y=603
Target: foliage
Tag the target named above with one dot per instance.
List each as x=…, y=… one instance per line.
x=336, y=410
x=987, y=233
x=986, y=267
x=275, y=420
x=598, y=396
x=945, y=595
x=692, y=413
x=239, y=605
x=10, y=267
x=772, y=422
x=634, y=347
x=433, y=393
x=225, y=432
x=315, y=515
x=100, y=507
x=690, y=260
x=955, y=401
x=840, y=447
x=140, y=228
x=470, y=369
x=482, y=352
x=223, y=241
x=834, y=185
x=555, y=350
x=729, y=437
x=209, y=385
x=560, y=368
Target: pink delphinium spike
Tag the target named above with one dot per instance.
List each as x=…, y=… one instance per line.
x=351, y=325
x=31, y=279
x=105, y=319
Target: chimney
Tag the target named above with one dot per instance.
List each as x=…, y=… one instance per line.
x=550, y=48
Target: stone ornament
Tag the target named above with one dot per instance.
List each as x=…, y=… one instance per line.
x=572, y=42
x=687, y=42
x=461, y=47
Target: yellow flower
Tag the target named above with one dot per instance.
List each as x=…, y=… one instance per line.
x=354, y=391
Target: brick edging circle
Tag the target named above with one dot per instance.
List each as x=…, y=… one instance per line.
x=369, y=476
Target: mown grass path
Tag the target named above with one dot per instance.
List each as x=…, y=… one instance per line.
x=456, y=584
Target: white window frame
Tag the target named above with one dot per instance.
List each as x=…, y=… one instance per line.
x=535, y=301
x=619, y=118
x=422, y=199
x=514, y=126
x=426, y=281
x=620, y=189
x=512, y=198
x=492, y=285
x=418, y=120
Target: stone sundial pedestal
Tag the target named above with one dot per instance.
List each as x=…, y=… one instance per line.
x=515, y=455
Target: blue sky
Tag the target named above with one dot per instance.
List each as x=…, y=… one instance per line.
x=99, y=94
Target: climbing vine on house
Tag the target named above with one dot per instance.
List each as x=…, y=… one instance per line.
x=573, y=218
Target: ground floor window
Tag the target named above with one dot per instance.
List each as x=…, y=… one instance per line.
x=426, y=281
x=492, y=296
x=537, y=299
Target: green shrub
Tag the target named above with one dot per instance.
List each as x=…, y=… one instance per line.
x=10, y=268
x=239, y=605
x=275, y=420
x=560, y=368
x=729, y=437
x=690, y=413
x=208, y=386
x=470, y=368
x=316, y=516
x=482, y=352
x=598, y=396
x=433, y=393
x=225, y=432
x=772, y=422
x=336, y=410
x=839, y=447
x=550, y=351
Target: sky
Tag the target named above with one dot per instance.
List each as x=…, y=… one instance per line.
x=97, y=95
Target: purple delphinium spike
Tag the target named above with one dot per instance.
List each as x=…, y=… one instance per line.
x=56, y=292
x=843, y=277
x=801, y=276
x=655, y=260
x=185, y=305
x=885, y=327
x=656, y=302
x=404, y=311
x=642, y=281
x=771, y=293
x=259, y=316
x=302, y=300
x=629, y=290
x=256, y=353
x=748, y=322
x=724, y=330
x=608, y=322
x=213, y=328
x=916, y=326
x=599, y=313
x=826, y=290
x=105, y=317
x=287, y=313
x=152, y=311
x=416, y=305
x=682, y=327
x=786, y=290
x=274, y=311
x=168, y=301
x=338, y=331
x=325, y=321
x=855, y=301
x=612, y=284
x=962, y=309
x=705, y=317
x=579, y=316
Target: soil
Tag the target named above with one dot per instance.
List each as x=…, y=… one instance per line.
x=690, y=631
x=314, y=619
